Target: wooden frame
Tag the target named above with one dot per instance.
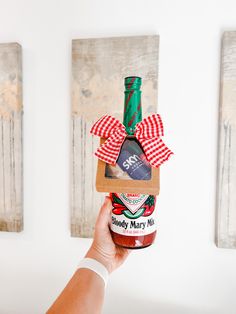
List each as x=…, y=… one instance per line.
x=99, y=66
x=11, y=151
x=226, y=179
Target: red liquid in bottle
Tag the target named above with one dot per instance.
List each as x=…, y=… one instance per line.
x=133, y=223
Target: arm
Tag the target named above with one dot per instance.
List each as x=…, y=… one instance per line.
x=84, y=294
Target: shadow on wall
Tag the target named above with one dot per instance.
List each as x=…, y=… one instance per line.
x=117, y=303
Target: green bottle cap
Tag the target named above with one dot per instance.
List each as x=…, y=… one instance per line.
x=133, y=82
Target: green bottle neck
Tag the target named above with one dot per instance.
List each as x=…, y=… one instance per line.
x=132, y=110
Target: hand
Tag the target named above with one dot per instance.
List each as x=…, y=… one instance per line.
x=103, y=249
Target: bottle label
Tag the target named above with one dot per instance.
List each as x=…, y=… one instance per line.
x=133, y=214
x=132, y=160
x=131, y=163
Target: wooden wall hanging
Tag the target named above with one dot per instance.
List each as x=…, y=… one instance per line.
x=11, y=207
x=226, y=183
x=99, y=66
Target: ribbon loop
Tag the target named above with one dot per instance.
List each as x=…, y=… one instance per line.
x=150, y=127
x=106, y=125
x=148, y=133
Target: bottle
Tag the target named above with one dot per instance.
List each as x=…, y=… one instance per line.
x=133, y=223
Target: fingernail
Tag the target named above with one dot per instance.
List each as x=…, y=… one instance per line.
x=107, y=198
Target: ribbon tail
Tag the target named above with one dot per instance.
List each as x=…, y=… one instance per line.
x=156, y=151
x=109, y=151
x=114, y=131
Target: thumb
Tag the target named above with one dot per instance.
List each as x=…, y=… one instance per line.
x=104, y=215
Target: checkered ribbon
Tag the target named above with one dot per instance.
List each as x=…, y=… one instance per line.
x=147, y=132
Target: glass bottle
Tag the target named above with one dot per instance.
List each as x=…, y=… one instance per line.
x=133, y=223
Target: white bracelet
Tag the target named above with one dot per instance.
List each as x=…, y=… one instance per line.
x=95, y=266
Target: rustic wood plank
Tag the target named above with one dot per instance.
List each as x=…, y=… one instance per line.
x=99, y=67
x=226, y=183
x=11, y=207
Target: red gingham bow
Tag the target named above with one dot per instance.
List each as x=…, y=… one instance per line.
x=147, y=132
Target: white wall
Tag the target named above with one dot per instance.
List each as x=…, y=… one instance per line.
x=184, y=272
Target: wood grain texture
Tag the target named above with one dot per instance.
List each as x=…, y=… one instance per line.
x=99, y=66
x=11, y=208
x=226, y=183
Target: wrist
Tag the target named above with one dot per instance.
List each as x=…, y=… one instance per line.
x=94, y=266
x=95, y=254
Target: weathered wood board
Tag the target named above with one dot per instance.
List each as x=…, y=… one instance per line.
x=99, y=67
x=226, y=182
x=11, y=207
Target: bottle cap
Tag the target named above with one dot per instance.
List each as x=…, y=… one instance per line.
x=132, y=82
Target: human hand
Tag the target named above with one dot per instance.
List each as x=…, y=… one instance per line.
x=103, y=249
